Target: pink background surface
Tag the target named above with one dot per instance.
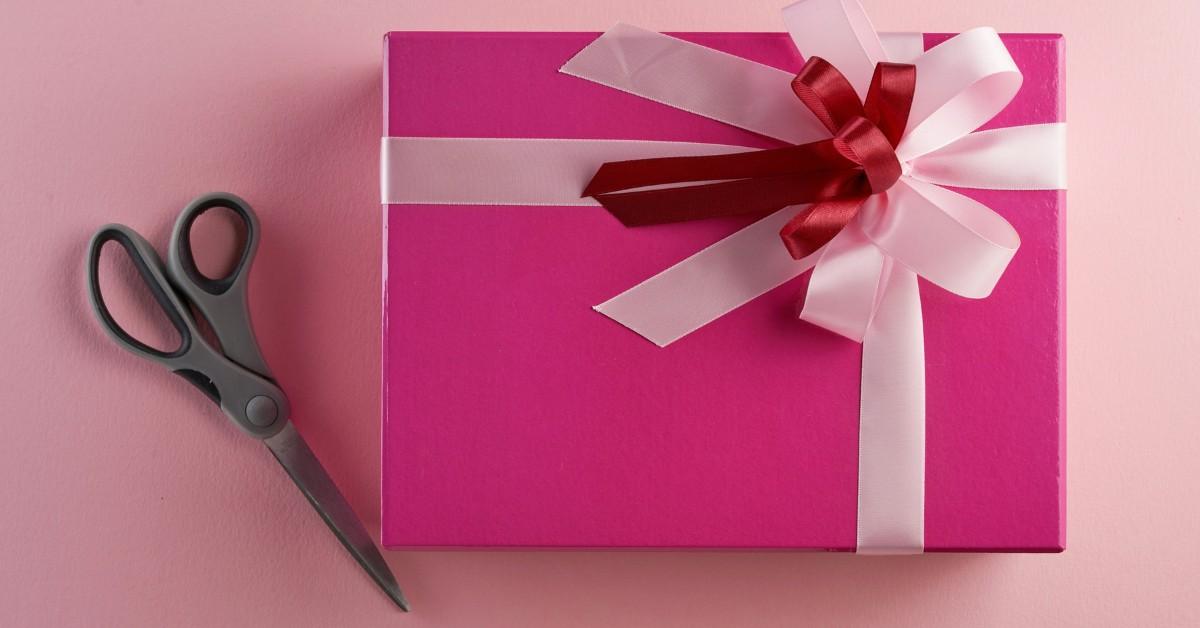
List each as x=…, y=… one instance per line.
x=129, y=502
x=516, y=416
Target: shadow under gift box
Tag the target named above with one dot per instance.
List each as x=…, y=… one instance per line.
x=516, y=416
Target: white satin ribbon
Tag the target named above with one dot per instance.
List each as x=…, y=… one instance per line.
x=509, y=171
x=1011, y=158
x=864, y=282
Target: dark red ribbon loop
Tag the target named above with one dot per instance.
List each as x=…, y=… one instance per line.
x=827, y=93
x=835, y=175
x=889, y=98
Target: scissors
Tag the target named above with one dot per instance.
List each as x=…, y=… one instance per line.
x=235, y=375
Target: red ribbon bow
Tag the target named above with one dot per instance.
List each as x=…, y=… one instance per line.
x=835, y=175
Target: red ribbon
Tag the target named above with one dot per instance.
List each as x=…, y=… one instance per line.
x=835, y=175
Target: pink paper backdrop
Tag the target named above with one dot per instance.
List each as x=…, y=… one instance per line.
x=127, y=501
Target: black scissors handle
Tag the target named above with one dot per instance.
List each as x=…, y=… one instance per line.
x=249, y=398
x=222, y=301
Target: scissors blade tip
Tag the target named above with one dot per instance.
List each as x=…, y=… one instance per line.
x=397, y=596
x=310, y=477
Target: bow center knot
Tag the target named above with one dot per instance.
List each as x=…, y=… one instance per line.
x=863, y=143
x=867, y=132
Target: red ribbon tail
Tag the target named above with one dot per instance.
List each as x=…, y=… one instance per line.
x=731, y=198
x=751, y=182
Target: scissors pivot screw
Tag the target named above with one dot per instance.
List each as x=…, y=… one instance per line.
x=262, y=411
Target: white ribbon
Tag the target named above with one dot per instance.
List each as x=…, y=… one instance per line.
x=864, y=282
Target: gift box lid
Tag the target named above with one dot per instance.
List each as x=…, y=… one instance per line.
x=516, y=416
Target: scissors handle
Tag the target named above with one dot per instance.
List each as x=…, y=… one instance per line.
x=250, y=400
x=222, y=301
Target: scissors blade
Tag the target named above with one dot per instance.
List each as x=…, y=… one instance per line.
x=306, y=471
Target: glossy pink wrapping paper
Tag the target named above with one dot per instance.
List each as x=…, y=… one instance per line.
x=515, y=416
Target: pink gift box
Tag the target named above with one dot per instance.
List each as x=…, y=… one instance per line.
x=516, y=416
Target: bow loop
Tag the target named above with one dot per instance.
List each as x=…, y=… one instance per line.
x=961, y=84
x=843, y=290
x=827, y=94
x=890, y=97
x=954, y=241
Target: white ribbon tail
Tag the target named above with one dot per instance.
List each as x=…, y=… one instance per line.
x=737, y=91
x=699, y=80
x=709, y=284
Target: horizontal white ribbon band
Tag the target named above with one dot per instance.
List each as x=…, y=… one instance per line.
x=508, y=171
x=521, y=171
